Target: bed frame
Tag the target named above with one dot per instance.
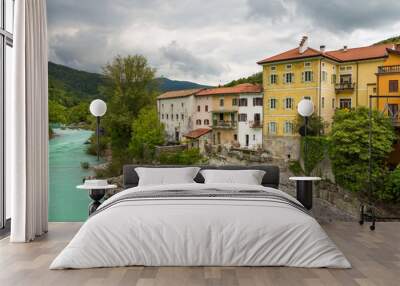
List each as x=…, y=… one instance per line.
x=270, y=179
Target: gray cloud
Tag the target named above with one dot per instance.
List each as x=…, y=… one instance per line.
x=183, y=61
x=208, y=41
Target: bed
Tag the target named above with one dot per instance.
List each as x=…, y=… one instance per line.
x=201, y=224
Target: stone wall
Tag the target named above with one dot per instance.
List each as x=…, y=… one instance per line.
x=283, y=147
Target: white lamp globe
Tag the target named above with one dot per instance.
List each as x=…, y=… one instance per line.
x=305, y=108
x=98, y=108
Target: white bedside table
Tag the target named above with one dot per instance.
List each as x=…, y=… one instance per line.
x=96, y=193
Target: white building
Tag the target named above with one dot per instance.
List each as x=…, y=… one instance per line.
x=175, y=110
x=250, y=120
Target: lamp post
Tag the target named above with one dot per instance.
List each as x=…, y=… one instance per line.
x=98, y=108
x=305, y=109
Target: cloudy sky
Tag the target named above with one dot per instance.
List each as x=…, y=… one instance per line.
x=209, y=41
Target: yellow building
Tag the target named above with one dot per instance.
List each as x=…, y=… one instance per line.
x=387, y=97
x=331, y=79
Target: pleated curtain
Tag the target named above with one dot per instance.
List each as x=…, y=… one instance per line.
x=27, y=124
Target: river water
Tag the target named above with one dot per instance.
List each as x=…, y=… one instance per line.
x=66, y=152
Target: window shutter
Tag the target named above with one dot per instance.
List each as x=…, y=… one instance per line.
x=302, y=77
x=284, y=78
x=312, y=76
x=292, y=102
x=284, y=103
x=293, y=77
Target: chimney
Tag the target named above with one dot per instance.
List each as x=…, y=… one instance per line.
x=303, y=44
x=322, y=48
x=344, y=48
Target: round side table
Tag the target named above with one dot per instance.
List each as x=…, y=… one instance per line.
x=304, y=193
x=96, y=193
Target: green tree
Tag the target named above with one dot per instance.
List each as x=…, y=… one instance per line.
x=79, y=113
x=147, y=133
x=316, y=125
x=349, y=148
x=57, y=112
x=128, y=88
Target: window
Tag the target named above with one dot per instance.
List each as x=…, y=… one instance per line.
x=198, y=122
x=349, y=68
x=272, y=127
x=307, y=76
x=6, y=63
x=254, y=137
x=333, y=103
x=374, y=90
x=177, y=116
x=206, y=108
x=172, y=106
x=323, y=102
x=307, y=97
x=288, y=78
x=167, y=116
x=393, y=85
x=162, y=116
x=345, y=79
x=242, y=117
x=182, y=104
x=324, y=75
x=272, y=103
x=235, y=137
x=288, y=103
x=243, y=102
x=221, y=102
x=334, y=79
x=258, y=101
x=273, y=68
x=273, y=79
x=172, y=117
x=182, y=116
x=288, y=127
x=234, y=101
x=198, y=108
x=206, y=122
x=162, y=105
x=345, y=103
x=342, y=68
x=289, y=66
x=307, y=65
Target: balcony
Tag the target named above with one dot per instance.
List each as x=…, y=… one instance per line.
x=256, y=124
x=224, y=124
x=389, y=69
x=344, y=86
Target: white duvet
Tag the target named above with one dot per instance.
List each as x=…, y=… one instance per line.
x=200, y=231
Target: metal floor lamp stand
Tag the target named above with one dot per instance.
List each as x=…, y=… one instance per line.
x=368, y=210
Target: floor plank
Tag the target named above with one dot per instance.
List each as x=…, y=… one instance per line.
x=375, y=257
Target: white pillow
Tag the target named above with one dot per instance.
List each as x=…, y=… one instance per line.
x=166, y=176
x=248, y=177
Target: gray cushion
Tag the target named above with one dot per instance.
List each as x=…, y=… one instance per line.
x=270, y=179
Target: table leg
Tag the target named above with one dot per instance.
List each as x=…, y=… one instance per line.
x=96, y=196
x=304, y=193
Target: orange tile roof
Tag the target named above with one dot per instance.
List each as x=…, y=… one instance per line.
x=240, y=88
x=362, y=53
x=354, y=54
x=179, y=93
x=290, y=55
x=197, y=133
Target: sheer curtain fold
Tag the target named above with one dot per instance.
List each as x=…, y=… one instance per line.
x=28, y=124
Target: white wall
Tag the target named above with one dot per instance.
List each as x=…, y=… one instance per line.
x=255, y=134
x=181, y=106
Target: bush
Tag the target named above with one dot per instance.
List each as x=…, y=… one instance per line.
x=391, y=191
x=295, y=168
x=349, y=148
x=186, y=157
x=85, y=165
x=92, y=147
x=317, y=148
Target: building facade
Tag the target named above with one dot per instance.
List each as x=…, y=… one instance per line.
x=225, y=106
x=175, y=111
x=341, y=78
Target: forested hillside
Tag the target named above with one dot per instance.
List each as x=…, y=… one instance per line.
x=394, y=40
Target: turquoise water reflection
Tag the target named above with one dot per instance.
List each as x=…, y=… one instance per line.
x=66, y=152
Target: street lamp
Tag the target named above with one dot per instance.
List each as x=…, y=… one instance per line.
x=98, y=108
x=305, y=109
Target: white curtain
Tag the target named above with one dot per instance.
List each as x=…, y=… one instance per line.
x=27, y=124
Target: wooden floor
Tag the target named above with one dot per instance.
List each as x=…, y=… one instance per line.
x=375, y=257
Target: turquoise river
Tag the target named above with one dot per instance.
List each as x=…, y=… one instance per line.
x=66, y=152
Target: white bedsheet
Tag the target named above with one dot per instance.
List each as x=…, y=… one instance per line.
x=193, y=231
